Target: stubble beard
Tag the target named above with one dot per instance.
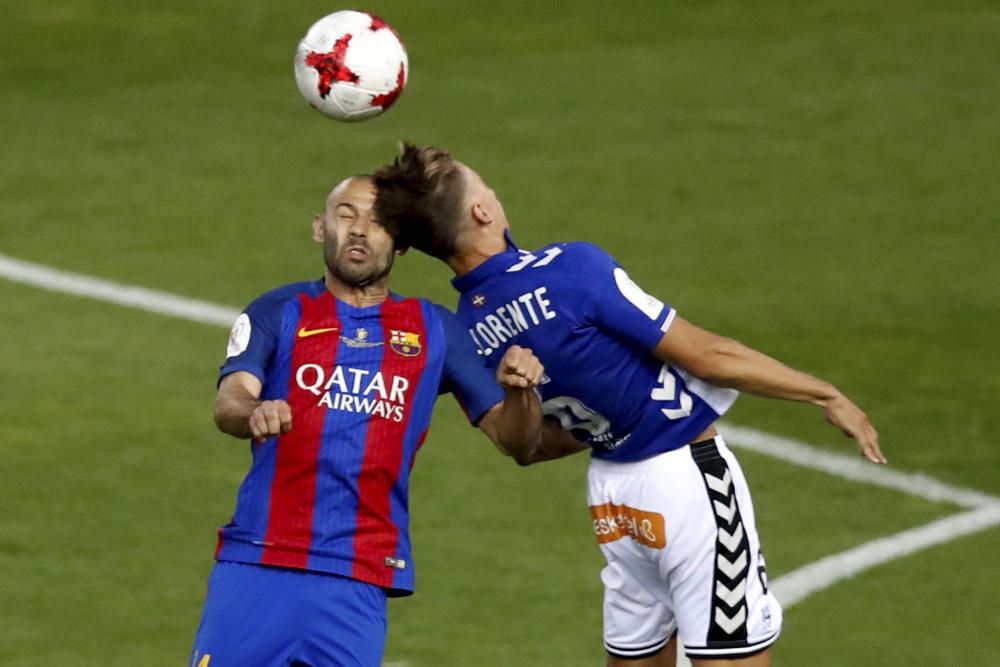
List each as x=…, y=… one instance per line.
x=356, y=275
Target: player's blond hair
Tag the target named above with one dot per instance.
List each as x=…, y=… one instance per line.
x=419, y=200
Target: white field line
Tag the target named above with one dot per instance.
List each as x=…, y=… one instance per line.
x=795, y=586
x=799, y=584
x=983, y=512
x=791, y=588
x=852, y=467
x=154, y=301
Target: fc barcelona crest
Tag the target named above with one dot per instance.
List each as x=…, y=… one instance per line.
x=405, y=343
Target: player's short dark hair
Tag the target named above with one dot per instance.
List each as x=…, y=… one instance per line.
x=419, y=200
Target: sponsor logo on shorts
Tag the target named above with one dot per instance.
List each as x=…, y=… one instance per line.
x=613, y=522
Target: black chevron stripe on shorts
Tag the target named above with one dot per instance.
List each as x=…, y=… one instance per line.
x=732, y=549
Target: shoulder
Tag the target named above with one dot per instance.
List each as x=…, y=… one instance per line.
x=443, y=315
x=585, y=251
x=277, y=297
x=398, y=303
x=454, y=331
x=570, y=255
x=571, y=265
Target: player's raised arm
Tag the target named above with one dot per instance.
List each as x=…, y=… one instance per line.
x=515, y=425
x=239, y=411
x=725, y=362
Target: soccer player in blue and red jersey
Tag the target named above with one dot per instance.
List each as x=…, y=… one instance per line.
x=671, y=508
x=334, y=380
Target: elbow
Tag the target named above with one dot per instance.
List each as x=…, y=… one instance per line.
x=522, y=455
x=524, y=452
x=226, y=423
x=218, y=416
x=524, y=459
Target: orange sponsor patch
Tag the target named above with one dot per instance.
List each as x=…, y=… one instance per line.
x=613, y=522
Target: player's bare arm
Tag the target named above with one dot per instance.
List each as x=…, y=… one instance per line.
x=240, y=412
x=725, y=362
x=516, y=425
x=556, y=443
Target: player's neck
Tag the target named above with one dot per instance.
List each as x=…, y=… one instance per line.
x=476, y=253
x=359, y=297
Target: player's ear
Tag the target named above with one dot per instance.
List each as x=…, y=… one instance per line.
x=481, y=215
x=318, y=228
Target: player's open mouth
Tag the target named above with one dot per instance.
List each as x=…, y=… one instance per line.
x=356, y=252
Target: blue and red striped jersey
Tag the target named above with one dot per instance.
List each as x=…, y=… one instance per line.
x=331, y=495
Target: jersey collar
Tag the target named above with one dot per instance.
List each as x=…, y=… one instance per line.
x=510, y=240
x=496, y=264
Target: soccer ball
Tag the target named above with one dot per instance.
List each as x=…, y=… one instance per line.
x=351, y=65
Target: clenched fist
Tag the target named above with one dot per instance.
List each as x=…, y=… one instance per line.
x=519, y=369
x=270, y=418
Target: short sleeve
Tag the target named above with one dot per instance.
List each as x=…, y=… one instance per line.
x=465, y=374
x=253, y=339
x=617, y=303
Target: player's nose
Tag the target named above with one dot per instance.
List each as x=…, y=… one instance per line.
x=359, y=226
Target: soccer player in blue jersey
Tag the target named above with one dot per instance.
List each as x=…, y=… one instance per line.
x=643, y=387
x=334, y=381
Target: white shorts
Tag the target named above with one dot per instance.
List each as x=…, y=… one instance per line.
x=683, y=554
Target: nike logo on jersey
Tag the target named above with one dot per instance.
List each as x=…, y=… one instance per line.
x=305, y=333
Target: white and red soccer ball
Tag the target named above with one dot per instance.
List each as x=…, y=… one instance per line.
x=351, y=65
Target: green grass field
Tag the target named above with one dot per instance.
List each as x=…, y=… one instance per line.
x=817, y=179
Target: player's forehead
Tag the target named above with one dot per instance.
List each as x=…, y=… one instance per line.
x=354, y=191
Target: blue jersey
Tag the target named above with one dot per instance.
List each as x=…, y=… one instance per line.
x=594, y=330
x=331, y=495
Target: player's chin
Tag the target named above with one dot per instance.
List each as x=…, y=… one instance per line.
x=358, y=274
